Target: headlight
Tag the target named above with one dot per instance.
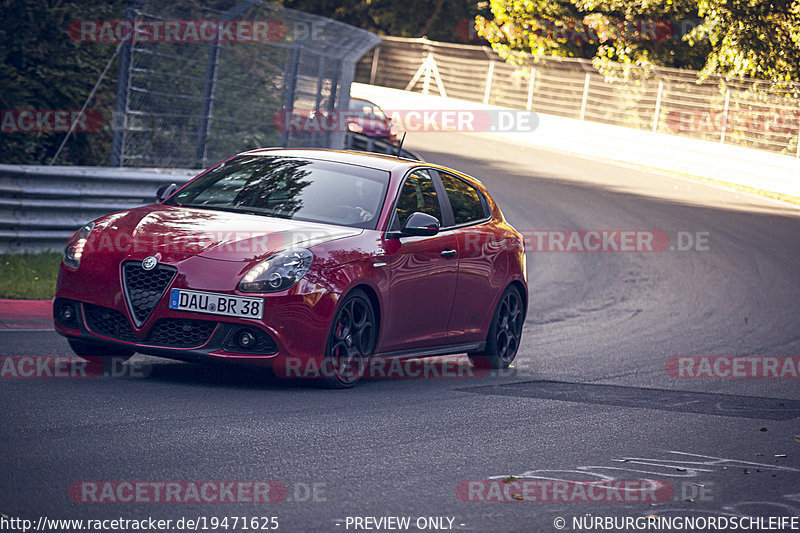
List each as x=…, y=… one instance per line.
x=74, y=252
x=279, y=272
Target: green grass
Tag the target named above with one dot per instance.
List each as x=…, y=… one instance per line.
x=29, y=276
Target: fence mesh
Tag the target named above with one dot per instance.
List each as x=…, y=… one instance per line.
x=752, y=113
x=190, y=102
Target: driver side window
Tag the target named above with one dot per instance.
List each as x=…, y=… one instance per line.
x=417, y=194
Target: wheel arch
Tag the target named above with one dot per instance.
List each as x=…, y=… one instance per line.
x=524, y=293
x=372, y=295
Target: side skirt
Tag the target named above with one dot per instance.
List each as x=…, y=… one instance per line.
x=436, y=350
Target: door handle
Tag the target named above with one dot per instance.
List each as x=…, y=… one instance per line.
x=449, y=253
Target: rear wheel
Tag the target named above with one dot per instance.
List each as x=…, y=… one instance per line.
x=505, y=333
x=351, y=341
x=100, y=354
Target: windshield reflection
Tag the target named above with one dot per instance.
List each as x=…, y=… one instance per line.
x=294, y=188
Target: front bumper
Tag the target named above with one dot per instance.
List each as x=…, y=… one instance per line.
x=295, y=323
x=186, y=339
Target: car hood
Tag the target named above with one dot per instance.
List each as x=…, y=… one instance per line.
x=213, y=234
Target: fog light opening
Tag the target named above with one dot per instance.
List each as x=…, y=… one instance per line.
x=67, y=313
x=245, y=339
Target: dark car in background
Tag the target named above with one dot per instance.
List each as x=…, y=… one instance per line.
x=367, y=118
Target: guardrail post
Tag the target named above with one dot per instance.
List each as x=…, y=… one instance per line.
x=426, y=81
x=209, y=86
x=797, y=153
x=373, y=71
x=289, y=79
x=207, y=105
x=585, y=96
x=725, y=115
x=344, y=79
x=318, y=101
x=529, y=104
x=120, y=117
x=488, y=89
x=658, y=106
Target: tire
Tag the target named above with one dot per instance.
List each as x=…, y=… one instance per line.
x=100, y=354
x=351, y=342
x=505, y=332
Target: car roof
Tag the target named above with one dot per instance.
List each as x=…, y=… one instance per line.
x=364, y=159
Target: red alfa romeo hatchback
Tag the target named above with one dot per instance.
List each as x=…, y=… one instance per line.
x=279, y=256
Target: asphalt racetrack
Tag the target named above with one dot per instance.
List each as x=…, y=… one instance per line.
x=594, y=393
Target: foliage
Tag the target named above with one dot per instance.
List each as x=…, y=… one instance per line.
x=751, y=38
x=41, y=68
x=730, y=37
x=437, y=20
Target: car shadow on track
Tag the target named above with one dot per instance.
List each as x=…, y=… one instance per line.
x=447, y=370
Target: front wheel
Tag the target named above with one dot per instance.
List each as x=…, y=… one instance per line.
x=505, y=332
x=100, y=355
x=351, y=341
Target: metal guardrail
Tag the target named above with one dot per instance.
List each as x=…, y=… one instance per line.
x=40, y=206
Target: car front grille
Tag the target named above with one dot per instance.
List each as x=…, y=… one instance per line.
x=145, y=288
x=108, y=322
x=181, y=333
x=167, y=332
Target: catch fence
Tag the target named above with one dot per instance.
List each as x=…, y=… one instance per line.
x=752, y=113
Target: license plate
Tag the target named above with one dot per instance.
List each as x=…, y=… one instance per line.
x=216, y=304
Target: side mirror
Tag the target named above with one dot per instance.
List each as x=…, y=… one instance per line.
x=421, y=225
x=165, y=191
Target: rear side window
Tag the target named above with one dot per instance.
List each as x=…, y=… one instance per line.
x=417, y=194
x=464, y=199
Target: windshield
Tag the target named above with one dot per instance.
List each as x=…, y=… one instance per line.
x=367, y=108
x=287, y=187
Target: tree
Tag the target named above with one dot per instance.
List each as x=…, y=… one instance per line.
x=751, y=38
x=437, y=20
x=42, y=68
x=732, y=37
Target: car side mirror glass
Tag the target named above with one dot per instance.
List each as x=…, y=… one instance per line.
x=165, y=191
x=420, y=225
